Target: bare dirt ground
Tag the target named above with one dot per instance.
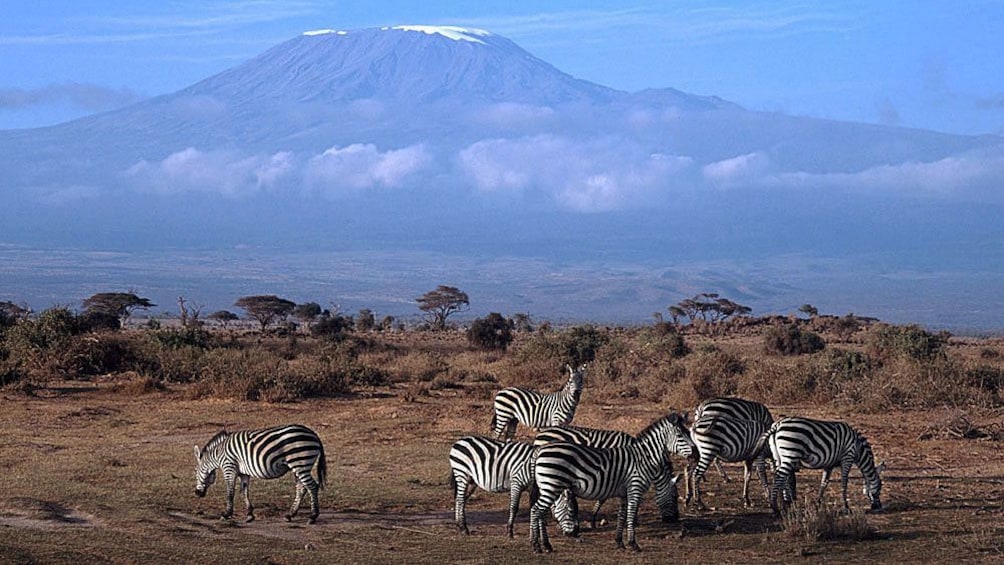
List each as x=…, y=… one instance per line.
x=93, y=476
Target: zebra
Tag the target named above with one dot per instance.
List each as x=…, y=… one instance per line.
x=536, y=409
x=666, y=496
x=263, y=454
x=496, y=466
x=816, y=444
x=728, y=429
x=597, y=473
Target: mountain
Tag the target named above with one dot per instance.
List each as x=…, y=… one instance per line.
x=456, y=141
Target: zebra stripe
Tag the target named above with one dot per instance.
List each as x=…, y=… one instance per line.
x=536, y=409
x=815, y=444
x=666, y=496
x=728, y=429
x=596, y=473
x=263, y=454
x=495, y=466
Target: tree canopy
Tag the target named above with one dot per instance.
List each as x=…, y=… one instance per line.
x=442, y=302
x=266, y=308
x=118, y=304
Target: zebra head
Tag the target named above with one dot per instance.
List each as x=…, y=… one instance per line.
x=205, y=472
x=207, y=460
x=680, y=441
x=669, y=433
x=575, y=378
x=872, y=473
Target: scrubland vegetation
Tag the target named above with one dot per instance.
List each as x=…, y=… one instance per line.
x=866, y=364
x=101, y=420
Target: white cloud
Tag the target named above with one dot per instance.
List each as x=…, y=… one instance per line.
x=360, y=167
x=972, y=176
x=222, y=172
x=583, y=175
x=740, y=170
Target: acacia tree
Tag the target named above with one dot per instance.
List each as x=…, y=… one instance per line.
x=118, y=304
x=224, y=317
x=266, y=308
x=443, y=302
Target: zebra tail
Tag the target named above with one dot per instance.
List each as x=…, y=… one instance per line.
x=534, y=493
x=322, y=466
x=453, y=482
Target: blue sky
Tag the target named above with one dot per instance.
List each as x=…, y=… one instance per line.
x=916, y=63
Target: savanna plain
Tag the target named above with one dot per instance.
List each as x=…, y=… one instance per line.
x=98, y=429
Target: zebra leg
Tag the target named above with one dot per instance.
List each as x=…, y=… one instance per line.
x=230, y=478
x=246, y=491
x=632, y=519
x=296, y=501
x=718, y=464
x=460, y=493
x=845, y=472
x=596, y=513
x=621, y=518
x=761, y=469
x=700, y=469
x=315, y=506
x=747, y=473
x=515, y=492
x=823, y=483
x=781, y=483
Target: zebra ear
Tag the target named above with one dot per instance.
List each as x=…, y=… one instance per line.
x=569, y=367
x=198, y=453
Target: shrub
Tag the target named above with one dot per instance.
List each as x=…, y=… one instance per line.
x=714, y=373
x=189, y=336
x=492, y=332
x=334, y=328
x=789, y=339
x=911, y=341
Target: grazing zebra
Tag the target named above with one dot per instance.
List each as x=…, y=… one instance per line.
x=728, y=429
x=496, y=466
x=536, y=409
x=597, y=473
x=263, y=454
x=666, y=497
x=815, y=444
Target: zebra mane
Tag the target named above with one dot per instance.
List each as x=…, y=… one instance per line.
x=215, y=441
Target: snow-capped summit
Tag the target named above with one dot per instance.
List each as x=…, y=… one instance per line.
x=405, y=63
x=452, y=32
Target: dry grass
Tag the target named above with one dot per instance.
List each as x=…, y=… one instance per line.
x=102, y=471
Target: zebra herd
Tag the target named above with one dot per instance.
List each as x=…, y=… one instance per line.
x=565, y=462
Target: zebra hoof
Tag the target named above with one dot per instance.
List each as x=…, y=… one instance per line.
x=312, y=520
x=634, y=547
x=288, y=517
x=250, y=518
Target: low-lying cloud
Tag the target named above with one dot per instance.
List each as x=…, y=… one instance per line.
x=583, y=175
x=359, y=167
x=576, y=174
x=223, y=172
